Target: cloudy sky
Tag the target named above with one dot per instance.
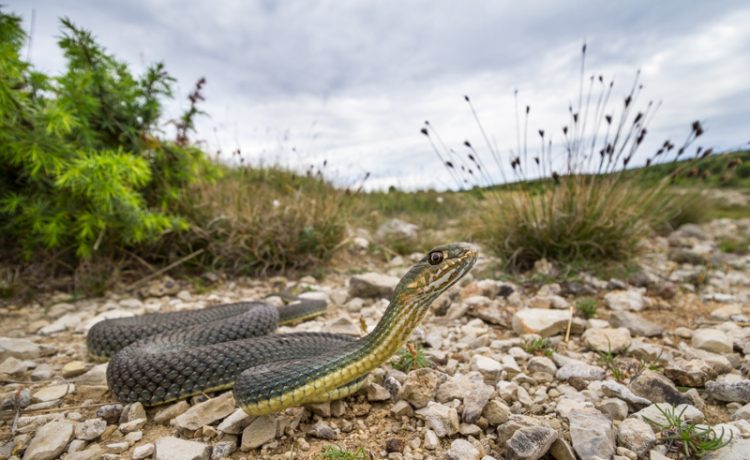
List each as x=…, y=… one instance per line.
x=300, y=82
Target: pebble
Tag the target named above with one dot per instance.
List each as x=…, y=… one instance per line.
x=712, y=340
x=73, y=369
x=462, y=449
x=729, y=391
x=607, y=339
x=372, y=285
x=168, y=413
x=235, y=423
x=626, y=300
x=530, y=443
x=441, y=419
x=205, y=413
x=261, y=431
x=591, y=434
x=90, y=429
x=53, y=392
x=322, y=430
x=657, y=388
x=18, y=348
x=171, y=448
x=636, y=324
x=49, y=441
x=143, y=451
x=636, y=435
x=540, y=321
x=420, y=386
x=690, y=373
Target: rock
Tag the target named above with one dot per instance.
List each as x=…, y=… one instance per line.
x=530, y=443
x=607, y=339
x=49, y=441
x=636, y=324
x=617, y=390
x=712, y=340
x=223, y=450
x=53, y=392
x=431, y=441
x=90, y=429
x=729, y=391
x=743, y=413
x=561, y=450
x=616, y=409
x=97, y=375
x=636, y=435
x=541, y=364
x=235, y=423
x=396, y=228
x=94, y=452
x=133, y=411
x=690, y=373
x=628, y=300
x=577, y=373
x=343, y=325
x=488, y=367
x=132, y=425
x=376, y=392
x=168, y=413
x=171, y=448
x=443, y=420
x=141, y=452
x=118, y=447
x=471, y=389
x=372, y=285
x=110, y=412
x=402, y=408
x=657, y=388
x=262, y=430
x=653, y=413
x=205, y=413
x=736, y=450
x=322, y=430
x=73, y=369
x=13, y=366
x=163, y=287
x=420, y=386
x=686, y=256
x=496, y=412
x=591, y=434
x=541, y=321
x=462, y=449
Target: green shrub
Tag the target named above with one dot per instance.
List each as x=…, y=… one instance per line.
x=587, y=307
x=81, y=168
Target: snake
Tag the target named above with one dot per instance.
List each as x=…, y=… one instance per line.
x=163, y=357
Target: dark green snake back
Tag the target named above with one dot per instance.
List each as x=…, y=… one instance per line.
x=162, y=357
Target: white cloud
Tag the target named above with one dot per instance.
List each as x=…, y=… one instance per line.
x=352, y=82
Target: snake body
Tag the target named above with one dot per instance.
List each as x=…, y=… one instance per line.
x=163, y=357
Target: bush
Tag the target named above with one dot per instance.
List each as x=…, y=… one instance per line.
x=81, y=169
x=581, y=203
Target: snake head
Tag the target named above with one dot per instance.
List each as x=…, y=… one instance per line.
x=438, y=270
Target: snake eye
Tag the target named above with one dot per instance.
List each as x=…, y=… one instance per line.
x=435, y=257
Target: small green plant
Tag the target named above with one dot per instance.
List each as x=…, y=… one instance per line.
x=339, y=453
x=734, y=246
x=539, y=347
x=686, y=439
x=587, y=307
x=608, y=359
x=410, y=358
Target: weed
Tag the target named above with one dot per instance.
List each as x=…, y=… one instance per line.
x=339, y=453
x=581, y=203
x=734, y=246
x=410, y=358
x=587, y=306
x=538, y=346
x=684, y=438
x=608, y=359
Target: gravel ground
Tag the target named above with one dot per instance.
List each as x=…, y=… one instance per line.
x=512, y=375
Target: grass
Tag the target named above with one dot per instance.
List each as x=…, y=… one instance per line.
x=539, y=347
x=686, y=439
x=609, y=360
x=410, y=358
x=340, y=453
x=575, y=200
x=261, y=220
x=587, y=306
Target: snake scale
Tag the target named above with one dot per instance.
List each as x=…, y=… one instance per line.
x=163, y=357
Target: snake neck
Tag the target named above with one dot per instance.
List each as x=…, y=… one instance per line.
x=400, y=319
